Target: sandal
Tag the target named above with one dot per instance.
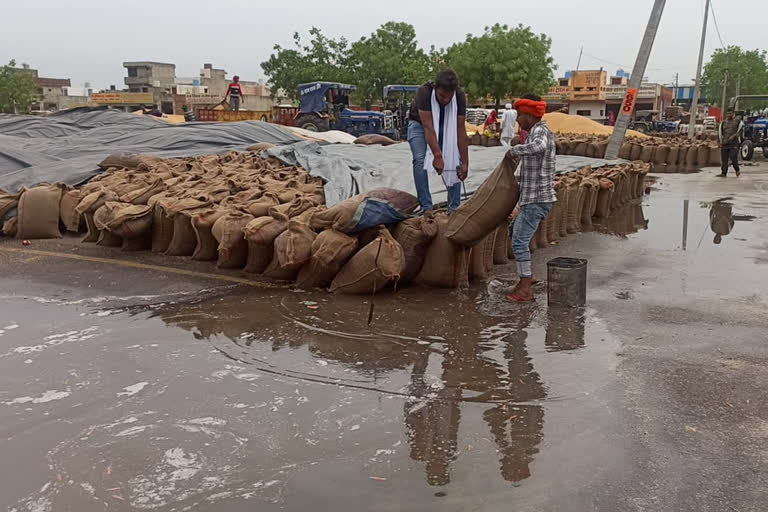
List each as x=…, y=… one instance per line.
x=513, y=297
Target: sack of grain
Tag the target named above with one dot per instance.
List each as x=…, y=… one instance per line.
x=162, y=225
x=67, y=210
x=714, y=156
x=126, y=160
x=10, y=226
x=646, y=154
x=635, y=151
x=481, y=257
x=590, y=188
x=573, y=223
x=446, y=264
x=550, y=225
x=692, y=158
x=373, y=139
x=581, y=148
x=8, y=202
x=39, y=212
x=673, y=155
x=501, y=244
x=132, y=222
x=228, y=231
x=184, y=241
x=260, y=234
x=293, y=246
x=640, y=190
x=414, y=235
x=291, y=209
x=682, y=157
x=337, y=217
x=486, y=208
x=626, y=151
x=206, y=246
x=661, y=155
x=702, y=155
x=260, y=207
x=604, y=198
x=372, y=268
x=142, y=195
x=260, y=146
x=330, y=250
x=561, y=208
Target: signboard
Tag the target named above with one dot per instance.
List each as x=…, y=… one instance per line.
x=112, y=98
x=628, y=105
x=616, y=92
x=558, y=93
x=203, y=99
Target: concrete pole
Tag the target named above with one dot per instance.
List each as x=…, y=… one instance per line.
x=628, y=105
x=697, y=88
x=725, y=85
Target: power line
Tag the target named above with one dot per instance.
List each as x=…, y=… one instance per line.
x=717, y=29
x=622, y=65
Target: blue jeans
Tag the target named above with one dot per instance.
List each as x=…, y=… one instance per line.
x=418, y=143
x=522, y=230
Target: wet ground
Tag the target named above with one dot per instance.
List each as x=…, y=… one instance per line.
x=126, y=386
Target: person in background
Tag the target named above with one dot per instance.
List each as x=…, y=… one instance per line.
x=153, y=111
x=537, y=193
x=731, y=131
x=611, y=118
x=234, y=93
x=438, y=139
x=508, y=120
x=491, y=120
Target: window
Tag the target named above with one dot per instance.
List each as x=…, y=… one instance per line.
x=132, y=72
x=601, y=113
x=586, y=113
x=144, y=89
x=564, y=82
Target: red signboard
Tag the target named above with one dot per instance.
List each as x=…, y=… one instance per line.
x=630, y=97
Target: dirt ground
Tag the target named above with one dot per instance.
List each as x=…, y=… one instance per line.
x=141, y=382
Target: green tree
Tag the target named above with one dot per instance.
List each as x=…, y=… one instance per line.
x=390, y=55
x=17, y=90
x=751, y=67
x=503, y=62
x=323, y=58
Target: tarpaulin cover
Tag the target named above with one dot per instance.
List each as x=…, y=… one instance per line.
x=67, y=147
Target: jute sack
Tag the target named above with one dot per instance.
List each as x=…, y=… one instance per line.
x=183, y=240
x=162, y=225
x=604, y=197
x=293, y=208
x=261, y=206
x=626, y=151
x=641, y=183
x=206, y=247
x=373, y=139
x=8, y=202
x=674, y=154
x=260, y=233
x=67, y=210
x=260, y=146
x=561, y=216
x=446, y=264
x=702, y=155
x=142, y=195
x=691, y=159
x=501, y=243
x=635, y=151
x=582, y=204
x=487, y=208
x=714, y=155
x=682, y=156
x=479, y=256
x=294, y=245
x=414, y=235
x=549, y=222
x=591, y=187
x=101, y=218
x=228, y=231
x=573, y=222
x=330, y=251
x=39, y=212
x=646, y=154
x=661, y=155
x=338, y=216
x=132, y=222
x=10, y=226
x=372, y=268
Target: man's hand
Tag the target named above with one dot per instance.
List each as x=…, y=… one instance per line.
x=509, y=157
x=463, y=171
x=438, y=163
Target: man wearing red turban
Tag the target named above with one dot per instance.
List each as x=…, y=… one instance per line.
x=537, y=193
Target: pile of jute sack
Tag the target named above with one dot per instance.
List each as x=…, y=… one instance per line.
x=676, y=151
x=261, y=216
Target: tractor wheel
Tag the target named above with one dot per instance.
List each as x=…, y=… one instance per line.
x=312, y=123
x=765, y=152
x=747, y=150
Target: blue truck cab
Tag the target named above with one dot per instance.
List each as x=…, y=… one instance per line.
x=324, y=106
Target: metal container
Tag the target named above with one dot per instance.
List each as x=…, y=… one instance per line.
x=567, y=282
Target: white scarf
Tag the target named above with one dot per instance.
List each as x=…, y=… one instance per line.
x=450, y=148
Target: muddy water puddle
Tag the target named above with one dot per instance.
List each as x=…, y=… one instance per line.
x=291, y=399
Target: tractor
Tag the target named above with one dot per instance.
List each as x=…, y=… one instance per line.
x=397, y=100
x=324, y=106
x=645, y=122
x=755, y=128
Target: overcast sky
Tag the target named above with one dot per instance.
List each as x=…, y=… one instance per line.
x=87, y=40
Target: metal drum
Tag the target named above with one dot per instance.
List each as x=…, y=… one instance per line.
x=567, y=282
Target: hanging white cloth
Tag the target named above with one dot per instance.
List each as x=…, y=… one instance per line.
x=450, y=148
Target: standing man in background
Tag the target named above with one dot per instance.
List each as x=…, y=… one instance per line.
x=234, y=93
x=438, y=138
x=731, y=131
x=537, y=193
x=508, y=120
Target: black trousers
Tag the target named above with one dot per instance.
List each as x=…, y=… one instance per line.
x=729, y=152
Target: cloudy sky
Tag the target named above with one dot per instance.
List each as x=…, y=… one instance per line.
x=87, y=40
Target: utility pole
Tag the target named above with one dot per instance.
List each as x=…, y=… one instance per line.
x=697, y=87
x=677, y=88
x=630, y=96
x=725, y=85
x=579, y=62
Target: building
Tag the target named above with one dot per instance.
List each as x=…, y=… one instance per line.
x=587, y=94
x=49, y=90
x=683, y=95
x=157, y=78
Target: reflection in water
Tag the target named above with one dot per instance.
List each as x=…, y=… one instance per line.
x=721, y=220
x=625, y=221
x=483, y=366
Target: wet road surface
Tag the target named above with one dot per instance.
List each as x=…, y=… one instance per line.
x=128, y=388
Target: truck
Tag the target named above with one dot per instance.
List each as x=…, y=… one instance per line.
x=324, y=106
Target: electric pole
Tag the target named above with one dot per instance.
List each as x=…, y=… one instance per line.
x=697, y=85
x=725, y=85
x=677, y=88
x=635, y=79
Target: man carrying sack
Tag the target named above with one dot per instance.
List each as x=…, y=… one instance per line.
x=438, y=139
x=537, y=193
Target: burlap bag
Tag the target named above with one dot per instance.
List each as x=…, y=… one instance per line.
x=446, y=264
x=414, y=235
x=69, y=217
x=132, y=222
x=661, y=154
x=373, y=267
x=36, y=207
x=487, y=208
x=646, y=154
x=573, y=220
x=635, y=151
x=330, y=251
x=625, y=152
x=293, y=246
x=715, y=157
x=10, y=226
x=501, y=243
x=561, y=208
x=261, y=206
x=673, y=155
x=228, y=231
x=142, y=195
x=702, y=155
x=604, y=198
x=206, y=246
x=8, y=202
x=692, y=157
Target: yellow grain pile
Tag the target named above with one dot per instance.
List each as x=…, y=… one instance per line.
x=564, y=123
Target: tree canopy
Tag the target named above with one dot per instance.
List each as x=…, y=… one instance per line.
x=748, y=66
x=17, y=90
x=503, y=62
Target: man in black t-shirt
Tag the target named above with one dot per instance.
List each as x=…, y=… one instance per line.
x=422, y=135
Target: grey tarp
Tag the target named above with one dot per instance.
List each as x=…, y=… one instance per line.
x=66, y=147
x=349, y=169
